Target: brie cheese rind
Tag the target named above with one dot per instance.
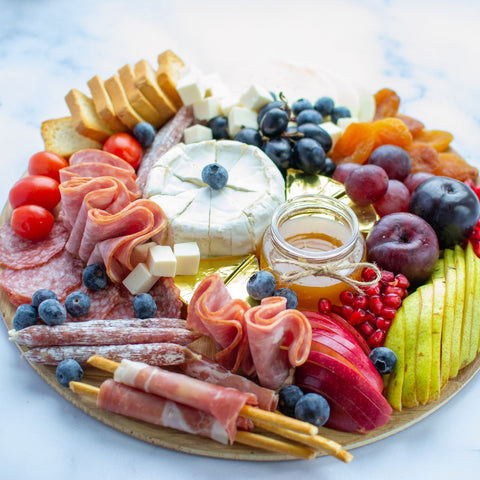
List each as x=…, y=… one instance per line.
x=229, y=221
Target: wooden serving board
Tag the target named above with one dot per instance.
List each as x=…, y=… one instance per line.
x=187, y=443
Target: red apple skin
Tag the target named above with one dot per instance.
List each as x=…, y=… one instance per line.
x=404, y=243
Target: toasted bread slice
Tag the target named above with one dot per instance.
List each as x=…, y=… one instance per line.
x=60, y=137
x=136, y=98
x=168, y=73
x=85, y=118
x=147, y=83
x=124, y=111
x=103, y=104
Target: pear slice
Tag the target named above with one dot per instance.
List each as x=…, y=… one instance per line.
x=449, y=314
x=459, y=256
x=411, y=307
x=475, y=334
x=423, y=363
x=465, y=342
x=396, y=341
x=437, y=327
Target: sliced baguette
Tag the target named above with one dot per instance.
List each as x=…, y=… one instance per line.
x=147, y=84
x=124, y=111
x=85, y=118
x=60, y=137
x=168, y=74
x=103, y=104
x=137, y=99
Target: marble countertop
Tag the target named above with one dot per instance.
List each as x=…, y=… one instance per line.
x=428, y=51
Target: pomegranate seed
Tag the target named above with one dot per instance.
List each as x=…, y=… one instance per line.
x=368, y=274
x=388, y=312
x=347, y=310
x=387, y=277
x=357, y=317
x=376, y=339
x=373, y=290
x=375, y=304
x=366, y=329
x=383, y=323
x=402, y=281
x=369, y=316
x=476, y=234
x=347, y=297
x=361, y=301
x=391, y=290
x=324, y=306
x=337, y=309
x=392, y=300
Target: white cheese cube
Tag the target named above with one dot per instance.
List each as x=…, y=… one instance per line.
x=188, y=258
x=206, y=109
x=241, y=117
x=140, y=253
x=343, y=123
x=227, y=103
x=140, y=280
x=333, y=130
x=190, y=90
x=197, y=133
x=161, y=261
x=256, y=97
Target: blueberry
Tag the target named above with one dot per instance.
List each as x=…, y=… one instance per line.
x=215, y=176
x=261, y=285
x=324, y=106
x=288, y=397
x=144, y=133
x=274, y=122
x=269, y=106
x=329, y=168
x=52, y=312
x=77, y=304
x=40, y=295
x=312, y=408
x=309, y=156
x=383, y=359
x=300, y=105
x=280, y=151
x=340, y=112
x=250, y=136
x=219, y=127
x=95, y=277
x=312, y=130
x=25, y=316
x=289, y=294
x=68, y=370
x=309, y=116
x=144, y=306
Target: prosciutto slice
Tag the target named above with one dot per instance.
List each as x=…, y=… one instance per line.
x=130, y=402
x=213, y=312
x=221, y=402
x=278, y=339
x=94, y=155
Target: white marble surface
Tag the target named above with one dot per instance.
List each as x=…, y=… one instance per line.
x=430, y=57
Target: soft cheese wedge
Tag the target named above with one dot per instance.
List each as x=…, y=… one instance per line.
x=229, y=221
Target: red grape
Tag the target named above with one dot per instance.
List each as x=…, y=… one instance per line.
x=342, y=171
x=366, y=184
x=413, y=180
x=394, y=160
x=396, y=199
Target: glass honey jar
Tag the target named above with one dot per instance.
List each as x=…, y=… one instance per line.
x=313, y=246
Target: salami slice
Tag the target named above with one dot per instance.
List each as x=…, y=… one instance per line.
x=61, y=274
x=18, y=253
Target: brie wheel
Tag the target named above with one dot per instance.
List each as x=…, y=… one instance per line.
x=229, y=221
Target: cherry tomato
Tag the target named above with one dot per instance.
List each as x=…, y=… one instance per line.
x=46, y=163
x=31, y=221
x=35, y=190
x=124, y=146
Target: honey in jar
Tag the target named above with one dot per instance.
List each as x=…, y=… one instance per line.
x=311, y=235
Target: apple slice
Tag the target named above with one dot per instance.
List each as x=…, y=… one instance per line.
x=423, y=361
x=439, y=289
x=448, y=315
x=396, y=341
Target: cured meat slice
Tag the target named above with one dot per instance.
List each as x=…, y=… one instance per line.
x=208, y=371
x=47, y=336
x=278, y=339
x=18, y=253
x=94, y=155
x=213, y=312
x=221, y=402
x=130, y=402
x=159, y=354
x=62, y=274
x=134, y=322
x=168, y=136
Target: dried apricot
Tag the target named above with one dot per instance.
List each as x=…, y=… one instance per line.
x=387, y=102
x=438, y=139
x=356, y=143
x=415, y=126
x=392, y=131
x=454, y=166
x=424, y=158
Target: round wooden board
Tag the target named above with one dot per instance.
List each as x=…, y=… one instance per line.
x=187, y=443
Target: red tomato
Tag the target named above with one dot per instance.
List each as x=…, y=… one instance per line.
x=31, y=221
x=35, y=190
x=46, y=163
x=124, y=146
